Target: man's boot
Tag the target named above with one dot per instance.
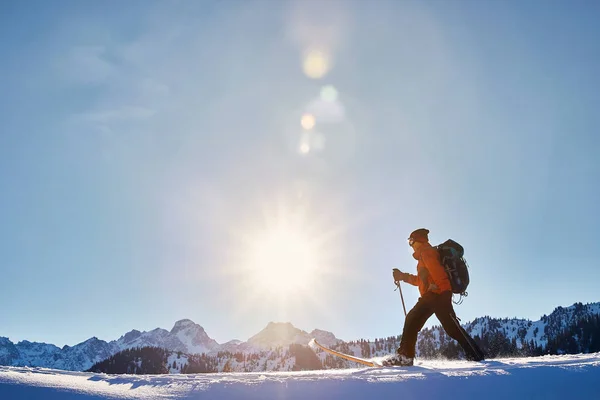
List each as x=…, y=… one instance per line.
x=398, y=360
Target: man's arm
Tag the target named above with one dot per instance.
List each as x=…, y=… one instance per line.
x=406, y=277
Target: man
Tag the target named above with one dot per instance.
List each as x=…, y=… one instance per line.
x=436, y=298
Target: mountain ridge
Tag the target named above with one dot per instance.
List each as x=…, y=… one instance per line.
x=187, y=337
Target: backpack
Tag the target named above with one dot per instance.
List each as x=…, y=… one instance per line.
x=451, y=257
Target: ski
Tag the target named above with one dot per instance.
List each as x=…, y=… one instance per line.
x=359, y=360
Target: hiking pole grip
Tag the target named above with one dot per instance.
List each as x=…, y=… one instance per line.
x=401, y=296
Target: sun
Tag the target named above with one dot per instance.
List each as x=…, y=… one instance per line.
x=282, y=261
x=286, y=256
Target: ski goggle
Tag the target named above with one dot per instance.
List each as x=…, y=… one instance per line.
x=411, y=241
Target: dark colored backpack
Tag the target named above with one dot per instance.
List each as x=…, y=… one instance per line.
x=451, y=257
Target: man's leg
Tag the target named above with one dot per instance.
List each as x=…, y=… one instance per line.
x=447, y=317
x=415, y=319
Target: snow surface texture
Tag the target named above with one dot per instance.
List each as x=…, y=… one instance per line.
x=547, y=377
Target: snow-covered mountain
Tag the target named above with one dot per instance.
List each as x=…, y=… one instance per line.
x=534, y=333
x=185, y=337
x=193, y=337
x=571, y=329
x=237, y=346
x=74, y=358
x=283, y=334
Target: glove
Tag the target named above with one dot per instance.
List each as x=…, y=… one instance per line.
x=399, y=275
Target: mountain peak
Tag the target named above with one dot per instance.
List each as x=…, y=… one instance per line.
x=324, y=337
x=131, y=336
x=184, y=324
x=279, y=334
x=193, y=337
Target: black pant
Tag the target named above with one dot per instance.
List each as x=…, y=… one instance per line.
x=440, y=305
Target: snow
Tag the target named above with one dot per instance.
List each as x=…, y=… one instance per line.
x=192, y=347
x=179, y=362
x=547, y=377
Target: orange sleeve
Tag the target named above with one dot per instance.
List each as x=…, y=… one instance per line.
x=436, y=271
x=412, y=279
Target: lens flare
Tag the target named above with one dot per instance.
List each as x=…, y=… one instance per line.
x=304, y=148
x=329, y=93
x=307, y=121
x=316, y=64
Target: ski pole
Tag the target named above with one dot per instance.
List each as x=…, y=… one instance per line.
x=401, y=297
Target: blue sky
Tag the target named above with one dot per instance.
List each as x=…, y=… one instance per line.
x=148, y=148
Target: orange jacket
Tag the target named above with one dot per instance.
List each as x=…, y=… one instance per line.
x=429, y=270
